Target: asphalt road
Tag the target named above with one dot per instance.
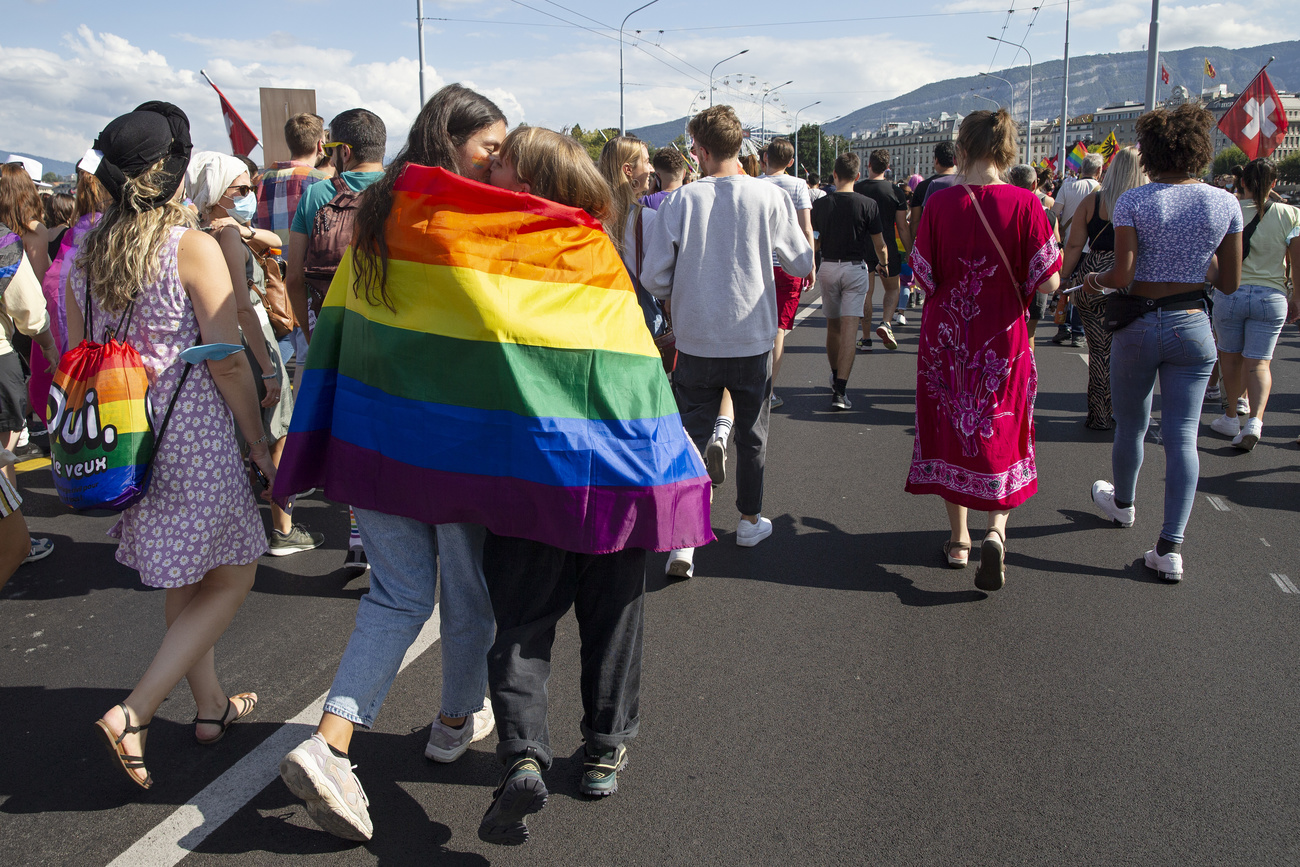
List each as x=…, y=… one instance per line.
x=832, y=696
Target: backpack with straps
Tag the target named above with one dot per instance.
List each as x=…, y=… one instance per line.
x=331, y=233
x=102, y=440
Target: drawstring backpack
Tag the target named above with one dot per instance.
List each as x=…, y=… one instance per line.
x=102, y=440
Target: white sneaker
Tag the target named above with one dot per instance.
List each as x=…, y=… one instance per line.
x=681, y=563
x=23, y=438
x=334, y=798
x=1170, y=566
x=446, y=744
x=1103, y=494
x=748, y=535
x=1249, y=434
x=1243, y=407
x=900, y=319
x=1228, y=427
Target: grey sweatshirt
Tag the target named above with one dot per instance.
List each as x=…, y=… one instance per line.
x=709, y=251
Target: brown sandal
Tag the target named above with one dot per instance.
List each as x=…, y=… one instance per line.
x=992, y=574
x=247, y=701
x=128, y=763
x=956, y=562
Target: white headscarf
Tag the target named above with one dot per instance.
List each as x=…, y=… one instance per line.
x=209, y=175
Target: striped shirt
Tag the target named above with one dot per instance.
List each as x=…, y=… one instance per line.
x=278, y=194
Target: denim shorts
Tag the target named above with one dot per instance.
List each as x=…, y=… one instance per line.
x=1248, y=321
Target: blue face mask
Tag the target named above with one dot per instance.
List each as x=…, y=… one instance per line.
x=244, y=207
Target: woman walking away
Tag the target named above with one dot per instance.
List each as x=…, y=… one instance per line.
x=1091, y=247
x=1247, y=322
x=457, y=130
x=1168, y=234
x=982, y=249
x=196, y=532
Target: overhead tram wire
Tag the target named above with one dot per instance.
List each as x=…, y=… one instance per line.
x=997, y=45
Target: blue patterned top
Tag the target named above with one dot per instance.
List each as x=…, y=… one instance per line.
x=1179, y=226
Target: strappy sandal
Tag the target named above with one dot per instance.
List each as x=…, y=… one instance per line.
x=992, y=574
x=128, y=763
x=961, y=558
x=247, y=701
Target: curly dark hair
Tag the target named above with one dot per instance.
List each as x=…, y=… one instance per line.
x=1176, y=141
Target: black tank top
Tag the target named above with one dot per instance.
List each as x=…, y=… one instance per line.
x=1101, y=233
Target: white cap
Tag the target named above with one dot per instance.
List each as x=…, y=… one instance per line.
x=33, y=167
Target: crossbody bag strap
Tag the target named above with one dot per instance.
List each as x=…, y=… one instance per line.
x=171, y=405
x=993, y=237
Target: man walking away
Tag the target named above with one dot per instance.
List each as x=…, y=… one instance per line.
x=670, y=168
x=893, y=219
x=322, y=229
x=722, y=295
x=848, y=230
x=777, y=157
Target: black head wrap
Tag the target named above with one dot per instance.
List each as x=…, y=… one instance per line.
x=133, y=142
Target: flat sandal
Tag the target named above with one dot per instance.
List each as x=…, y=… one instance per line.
x=247, y=701
x=992, y=574
x=956, y=562
x=128, y=763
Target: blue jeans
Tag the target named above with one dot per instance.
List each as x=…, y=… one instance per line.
x=404, y=556
x=1248, y=321
x=1178, y=347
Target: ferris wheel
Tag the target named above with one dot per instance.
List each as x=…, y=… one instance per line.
x=763, y=114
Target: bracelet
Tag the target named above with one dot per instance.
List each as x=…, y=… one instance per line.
x=258, y=442
x=270, y=376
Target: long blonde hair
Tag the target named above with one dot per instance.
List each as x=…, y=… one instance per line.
x=558, y=168
x=120, y=254
x=1124, y=174
x=618, y=152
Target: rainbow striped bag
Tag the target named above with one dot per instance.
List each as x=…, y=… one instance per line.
x=102, y=440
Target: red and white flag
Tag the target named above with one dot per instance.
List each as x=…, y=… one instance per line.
x=1164, y=74
x=1256, y=121
x=242, y=138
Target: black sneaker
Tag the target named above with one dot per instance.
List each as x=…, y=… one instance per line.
x=294, y=541
x=522, y=792
x=355, y=562
x=600, y=773
x=1062, y=335
x=864, y=344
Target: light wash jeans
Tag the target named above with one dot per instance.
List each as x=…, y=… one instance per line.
x=404, y=556
x=1178, y=347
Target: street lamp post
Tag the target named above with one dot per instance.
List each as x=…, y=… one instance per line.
x=796, y=136
x=622, y=127
x=419, y=27
x=715, y=69
x=1010, y=88
x=1153, y=56
x=1065, y=90
x=990, y=99
x=762, y=108
x=1029, y=125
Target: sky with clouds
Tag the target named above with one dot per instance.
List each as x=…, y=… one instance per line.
x=67, y=67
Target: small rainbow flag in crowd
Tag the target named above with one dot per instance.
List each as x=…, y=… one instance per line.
x=1074, y=159
x=512, y=383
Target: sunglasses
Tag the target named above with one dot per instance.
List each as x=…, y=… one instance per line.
x=335, y=144
x=242, y=189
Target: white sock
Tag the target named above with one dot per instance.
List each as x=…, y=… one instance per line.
x=722, y=429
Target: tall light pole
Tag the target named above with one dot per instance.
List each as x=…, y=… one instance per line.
x=819, y=142
x=762, y=108
x=622, y=127
x=1153, y=54
x=1011, y=88
x=796, y=136
x=1029, y=126
x=990, y=99
x=1065, y=91
x=419, y=29
x=715, y=69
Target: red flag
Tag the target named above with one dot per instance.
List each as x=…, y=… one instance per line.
x=242, y=139
x=1256, y=121
x=1164, y=74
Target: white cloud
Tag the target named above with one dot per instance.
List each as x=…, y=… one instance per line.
x=1228, y=25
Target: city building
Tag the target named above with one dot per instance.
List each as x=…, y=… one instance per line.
x=1220, y=101
x=910, y=144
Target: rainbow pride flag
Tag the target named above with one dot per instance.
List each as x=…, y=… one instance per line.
x=1074, y=159
x=512, y=382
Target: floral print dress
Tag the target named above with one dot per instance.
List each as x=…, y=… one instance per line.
x=199, y=512
x=976, y=380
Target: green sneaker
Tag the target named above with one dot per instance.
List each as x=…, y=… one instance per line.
x=600, y=773
x=522, y=792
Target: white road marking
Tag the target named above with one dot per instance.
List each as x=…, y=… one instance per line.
x=807, y=311
x=1284, y=582
x=1084, y=356
x=1217, y=503
x=1265, y=541
x=180, y=833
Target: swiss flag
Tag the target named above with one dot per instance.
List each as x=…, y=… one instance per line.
x=1256, y=121
x=242, y=139
x=1164, y=74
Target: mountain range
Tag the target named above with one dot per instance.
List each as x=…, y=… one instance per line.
x=1096, y=81
x=59, y=167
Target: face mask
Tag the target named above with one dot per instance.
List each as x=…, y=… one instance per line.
x=244, y=207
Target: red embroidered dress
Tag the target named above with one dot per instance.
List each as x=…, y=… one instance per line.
x=975, y=378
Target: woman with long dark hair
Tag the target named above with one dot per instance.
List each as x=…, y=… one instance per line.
x=1171, y=235
x=982, y=249
x=457, y=130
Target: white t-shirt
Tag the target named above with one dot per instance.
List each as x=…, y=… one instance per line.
x=797, y=190
x=1072, y=194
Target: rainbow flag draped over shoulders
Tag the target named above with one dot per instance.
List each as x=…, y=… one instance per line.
x=513, y=383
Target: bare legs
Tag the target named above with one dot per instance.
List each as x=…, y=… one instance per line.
x=10, y=439
x=281, y=519
x=1251, y=375
x=197, y=615
x=778, y=351
x=957, y=523
x=840, y=351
